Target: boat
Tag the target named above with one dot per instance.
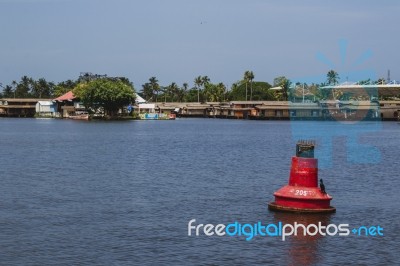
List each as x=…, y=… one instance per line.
x=157, y=116
x=79, y=115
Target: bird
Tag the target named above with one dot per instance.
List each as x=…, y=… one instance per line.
x=322, y=186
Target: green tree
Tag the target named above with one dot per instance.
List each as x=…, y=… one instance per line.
x=332, y=77
x=221, y=92
x=261, y=91
x=23, y=88
x=110, y=95
x=14, y=84
x=214, y=92
x=155, y=86
x=172, y=91
x=8, y=92
x=147, y=91
x=364, y=82
x=205, y=80
x=164, y=91
x=251, y=78
x=185, y=86
x=198, y=82
x=381, y=81
x=191, y=95
x=284, y=83
x=182, y=92
x=63, y=87
x=41, y=88
x=246, y=79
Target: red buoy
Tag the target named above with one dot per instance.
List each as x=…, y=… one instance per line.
x=302, y=194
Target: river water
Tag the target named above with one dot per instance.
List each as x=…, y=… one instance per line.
x=122, y=193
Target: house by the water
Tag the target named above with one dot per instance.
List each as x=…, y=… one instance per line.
x=19, y=107
x=361, y=102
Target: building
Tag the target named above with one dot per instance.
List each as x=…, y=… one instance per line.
x=46, y=109
x=383, y=99
x=67, y=105
x=19, y=107
x=389, y=110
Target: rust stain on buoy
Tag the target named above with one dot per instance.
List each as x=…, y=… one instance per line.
x=302, y=194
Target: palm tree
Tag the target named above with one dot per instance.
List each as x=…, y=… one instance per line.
x=284, y=83
x=221, y=91
x=381, y=81
x=42, y=87
x=185, y=87
x=14, y=84
x=198, y=82
x=181, y=92
x=246, y=80
x=205, y=81
x=155, y=86
x=7, y=91
x=251, y=77
x=172, y=90
x=164, y=90
x=23, y=88
x=147, y=91
x=332, y=77
x=51, y=86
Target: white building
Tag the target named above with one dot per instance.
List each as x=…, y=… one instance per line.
x=46, y=109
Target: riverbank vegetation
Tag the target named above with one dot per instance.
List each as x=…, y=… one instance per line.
x=105, y=94
x=203, y=89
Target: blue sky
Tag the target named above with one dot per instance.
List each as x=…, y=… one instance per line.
x=177, y=40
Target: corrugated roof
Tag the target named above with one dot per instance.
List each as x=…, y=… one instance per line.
x=45, y=102
x=69, y=96
x=26, y=100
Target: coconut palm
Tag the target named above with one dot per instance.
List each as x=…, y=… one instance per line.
x=8, y=91
x=251, y=77
x=205, y=80
x=221, y=91
x=42, y=88
x=23, y=88
x=198, y=82
x=185, y=87
x=381, y=81
x=172, y=90
x=284, y=83
x=14, y=84
x=147, y=91
x=332, y=77
x=245, y=79
x=155, y=86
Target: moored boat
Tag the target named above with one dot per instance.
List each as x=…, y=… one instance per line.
x=79, y=116
x=157, y=116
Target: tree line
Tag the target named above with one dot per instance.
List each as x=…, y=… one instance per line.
x=28, y=87
x=203, y=90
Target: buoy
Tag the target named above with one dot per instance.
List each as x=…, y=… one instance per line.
x=303, y=194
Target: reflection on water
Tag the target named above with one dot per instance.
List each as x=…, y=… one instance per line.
x=304, y=249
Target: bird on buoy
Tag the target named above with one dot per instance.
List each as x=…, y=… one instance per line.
x=322, y=186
